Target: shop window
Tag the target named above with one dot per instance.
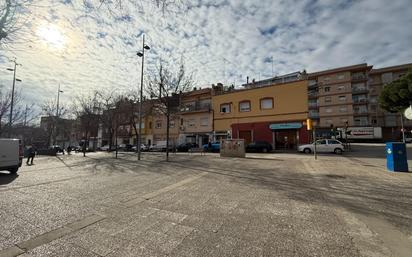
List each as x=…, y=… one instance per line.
x=225, y=108
x=266, y=103
x=244, y=106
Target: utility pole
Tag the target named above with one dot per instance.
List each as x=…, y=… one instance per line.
x=58, y=100
x=272, y=66
x=139, y=140
x=25, y=116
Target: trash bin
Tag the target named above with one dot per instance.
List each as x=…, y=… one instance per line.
x=396, y=159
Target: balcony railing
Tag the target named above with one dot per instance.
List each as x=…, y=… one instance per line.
x=360, y=101
x=360, y=112
x=313, y=105
x=313, y=94
x=196, y=107
x=314, y=115
x=313, y=84
x=359, y=77
x=360, y=90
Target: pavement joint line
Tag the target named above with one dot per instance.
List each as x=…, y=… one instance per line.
x=47, y=237
x=164, y=189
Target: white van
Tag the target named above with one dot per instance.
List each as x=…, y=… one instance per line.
x=11, y=154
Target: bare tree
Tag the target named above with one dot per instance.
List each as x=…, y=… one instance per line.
x=108, y=101
x=20, y=112
x=53, y=120
x=88, y=110
x=167, y=85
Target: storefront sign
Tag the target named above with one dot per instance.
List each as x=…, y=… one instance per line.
x=294, y=125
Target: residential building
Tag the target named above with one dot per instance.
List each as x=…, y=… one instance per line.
x=339, y=97
x=294, y=76
x=390, y=122
x=274, y=113
x=196, y=116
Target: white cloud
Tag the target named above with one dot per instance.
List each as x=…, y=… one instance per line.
x=220, y=41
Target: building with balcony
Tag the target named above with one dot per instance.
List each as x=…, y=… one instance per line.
x=196, y=117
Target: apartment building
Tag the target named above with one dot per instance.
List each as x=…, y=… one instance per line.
x=390, y=122
x=274, y=113
x=196, y=116
x=339, y=96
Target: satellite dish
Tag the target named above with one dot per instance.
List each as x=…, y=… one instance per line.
x=408, y=113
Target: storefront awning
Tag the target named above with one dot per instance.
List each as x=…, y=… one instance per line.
x=279, y=126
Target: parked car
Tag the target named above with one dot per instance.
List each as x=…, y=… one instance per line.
x=143, y=148
x=259, y=147
x=323, y=146
x=125, y=147
x=185, y=147
x=11, y=154
x=215, y=147
x=57, y=149
x=105, y=148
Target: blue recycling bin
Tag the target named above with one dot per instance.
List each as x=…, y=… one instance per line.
x=396, y=158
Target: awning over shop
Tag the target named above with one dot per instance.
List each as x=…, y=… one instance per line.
x=280, y=126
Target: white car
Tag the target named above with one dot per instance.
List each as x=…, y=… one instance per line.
x=105, y=148
x=323, y=146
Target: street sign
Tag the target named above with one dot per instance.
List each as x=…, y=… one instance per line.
x=408, y=113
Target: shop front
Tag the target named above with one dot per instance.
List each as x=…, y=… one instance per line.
x=282, y=136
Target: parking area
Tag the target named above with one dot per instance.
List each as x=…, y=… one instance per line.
x=281, y=204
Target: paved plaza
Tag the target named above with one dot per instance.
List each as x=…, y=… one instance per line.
x=282, y=204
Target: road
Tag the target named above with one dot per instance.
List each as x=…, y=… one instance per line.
x=263, y=205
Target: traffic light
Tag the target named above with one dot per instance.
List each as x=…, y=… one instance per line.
x=309, y=124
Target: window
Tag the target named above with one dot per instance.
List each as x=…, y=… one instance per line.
x=328, y=122
x=341, y=87
x=321, y=142
x=326, y=78
x=328, y=99
x=341, y=76
x=158, y=124
x=373, y=99
x=150, y=125
x=266, y=103
x=191, y=123
x=172, y=124
x=244, y=106
x=225, y=108
x=329, y=110
x=343, y=109
x=342, y=98
x=333, y=142
x=374, y=121
x=327, y=89
x=204, y=121
x=181, y=122
x=343, y=121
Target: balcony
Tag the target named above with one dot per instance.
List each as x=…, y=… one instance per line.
x=360, y=90
x=313, y=94
x=313, y=105
x=360, y=112
x=197, y=107
x=359, y=77
x=360, y=101
x=313, y=84
x=313, y=115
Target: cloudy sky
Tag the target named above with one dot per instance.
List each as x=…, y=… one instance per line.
x=84, y=48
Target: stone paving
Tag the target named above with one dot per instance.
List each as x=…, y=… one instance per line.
x=264, y=205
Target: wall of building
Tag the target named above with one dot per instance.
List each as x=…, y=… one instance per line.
x=290, y=103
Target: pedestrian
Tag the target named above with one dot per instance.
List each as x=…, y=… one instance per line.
x=69, y=149
x=209, y=146
x=31, y=153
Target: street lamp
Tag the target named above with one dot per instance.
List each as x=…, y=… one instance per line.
x=139, y=141
x=12, y=94
x=58, y=101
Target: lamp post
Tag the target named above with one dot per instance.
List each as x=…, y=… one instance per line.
x=139, y=141
x=12, y=94
x=58, y=101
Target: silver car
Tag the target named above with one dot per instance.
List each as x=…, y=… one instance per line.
x=323, y=146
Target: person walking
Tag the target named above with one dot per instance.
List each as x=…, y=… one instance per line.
x=31, y=154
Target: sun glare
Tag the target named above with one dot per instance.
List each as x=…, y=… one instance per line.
x=51, y=35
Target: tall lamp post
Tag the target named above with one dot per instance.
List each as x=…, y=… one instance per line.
x=12, y=94
x=139, y=141
x=58, y=101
